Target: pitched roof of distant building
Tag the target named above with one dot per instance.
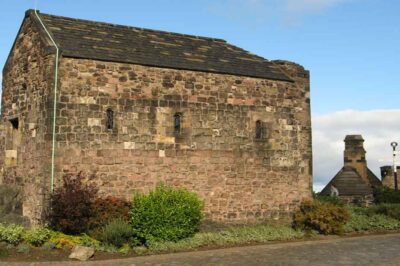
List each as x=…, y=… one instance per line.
x=85, y=39
x=349, y=183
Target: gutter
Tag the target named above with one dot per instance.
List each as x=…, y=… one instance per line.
x=53, y=147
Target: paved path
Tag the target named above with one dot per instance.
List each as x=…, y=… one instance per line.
x=365, y=250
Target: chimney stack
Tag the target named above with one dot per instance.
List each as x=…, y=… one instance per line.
x=354, y=155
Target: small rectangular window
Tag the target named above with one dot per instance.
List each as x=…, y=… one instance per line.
x=109, y=119
x=177, y=123
x=260, y=130
x=15, y=123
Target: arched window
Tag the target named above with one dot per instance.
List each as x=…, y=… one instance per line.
x=259, y=130
x=110, y=119
x=177, y=123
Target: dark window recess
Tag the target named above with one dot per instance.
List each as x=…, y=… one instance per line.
x=260, y=131
x=177, y=123
x=15, y=123
x=110, y=119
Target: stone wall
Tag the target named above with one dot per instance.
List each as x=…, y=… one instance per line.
x=215, y=153
x=26, y=118
x=242, y=176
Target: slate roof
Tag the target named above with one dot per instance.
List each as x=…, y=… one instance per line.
x=103, y=41
x=349, y=183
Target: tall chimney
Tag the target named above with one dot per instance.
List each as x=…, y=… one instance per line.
x=354, y=155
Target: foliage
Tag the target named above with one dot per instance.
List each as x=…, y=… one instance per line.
x=390, y=210
x=60, y=240
x=23, y=248
x=323, y=217
x=48, y=246
x=12, y=234
x=386, y=195
x=228, y=237
x=37, y=237
x=117, y=232
x=362, y=219
x=71, y=203
x=166, y=214
x=108, y=209
x=329, y=199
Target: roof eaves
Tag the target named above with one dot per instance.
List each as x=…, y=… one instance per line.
x=66, y=55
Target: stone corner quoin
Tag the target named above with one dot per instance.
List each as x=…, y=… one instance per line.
x=241, y=142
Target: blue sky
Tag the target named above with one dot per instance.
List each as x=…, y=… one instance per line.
x=351, y=47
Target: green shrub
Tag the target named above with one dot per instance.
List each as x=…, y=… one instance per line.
x=71, y=205
x=117, y=233
x=166, y=214
x=11, y=234
x=391, y=210
x=37, y=237
x=23, y=248
x=326, y=218
x=362, y=219
x=329, y=199
x=386, y=195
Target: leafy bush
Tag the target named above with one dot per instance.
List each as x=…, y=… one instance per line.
x=117, y=233
x=329, y=199
x=326, y=218
x=37, y=237
x=23, y=248
x=391, y=210
x=60, y=240
x=108, y=209
x=386, y=195
x=166, y=214
x=11, y=234
x=70, y=204
x=361, y=219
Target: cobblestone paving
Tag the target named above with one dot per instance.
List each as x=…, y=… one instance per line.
x=366, y=250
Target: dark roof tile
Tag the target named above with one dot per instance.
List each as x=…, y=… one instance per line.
x=109, y=42
x=349, y=183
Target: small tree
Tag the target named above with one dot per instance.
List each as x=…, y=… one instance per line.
x=71, y=205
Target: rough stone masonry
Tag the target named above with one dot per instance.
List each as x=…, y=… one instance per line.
x=136, y=107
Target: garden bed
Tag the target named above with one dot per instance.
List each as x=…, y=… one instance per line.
x=170, y=220
x=35, y=254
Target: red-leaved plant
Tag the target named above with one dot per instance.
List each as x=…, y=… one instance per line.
x=71, y=205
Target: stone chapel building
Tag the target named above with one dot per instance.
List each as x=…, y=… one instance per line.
x=134, y=107
x=354, y=183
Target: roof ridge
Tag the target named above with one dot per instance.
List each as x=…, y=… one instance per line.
x=132, y=27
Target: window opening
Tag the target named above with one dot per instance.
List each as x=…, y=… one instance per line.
x=110, y=119
x=177, y=123
x=259, y=130
x=15, y=123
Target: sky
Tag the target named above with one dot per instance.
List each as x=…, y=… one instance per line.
x=351, y=47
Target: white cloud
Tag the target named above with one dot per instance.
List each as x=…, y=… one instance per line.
x=378, y=128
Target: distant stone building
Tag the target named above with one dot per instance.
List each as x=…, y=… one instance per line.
x=355, y=182
x=388, y=176
x=135, y=107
